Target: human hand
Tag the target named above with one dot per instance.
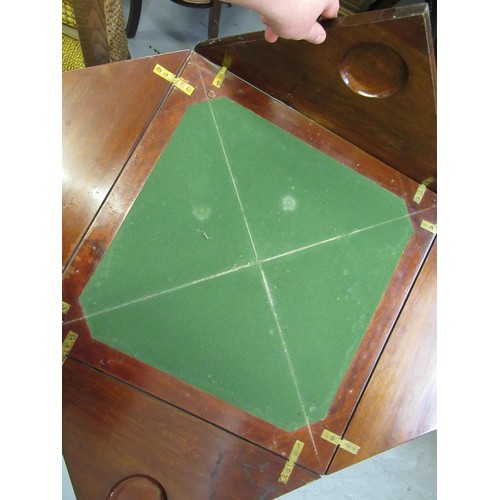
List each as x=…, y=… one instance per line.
x=295, y=19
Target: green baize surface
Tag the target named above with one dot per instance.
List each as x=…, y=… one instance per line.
x=249, y=266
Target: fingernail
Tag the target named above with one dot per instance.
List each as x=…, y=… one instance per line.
x=320, y=38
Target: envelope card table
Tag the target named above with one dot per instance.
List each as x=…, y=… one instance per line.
x=239, y=274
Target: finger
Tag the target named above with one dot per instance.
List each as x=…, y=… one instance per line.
x=264, y=20
x=316, y=35
x=331, y=10
x=270, y=35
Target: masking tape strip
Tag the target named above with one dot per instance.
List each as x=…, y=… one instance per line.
x=68, y=343
x=179, y=83
x=65, y=307
x=219, y=79
x=429, y=226
x=333, y=438
x=290, y=463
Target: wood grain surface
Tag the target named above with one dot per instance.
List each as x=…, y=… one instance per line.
x=123, y=419
x=400, y=401
x=317, y=453
x=113, y=431
x=399, y=128
x=105, y=111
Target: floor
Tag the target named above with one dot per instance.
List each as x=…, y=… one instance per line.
x=406, y=472
x=166, y=26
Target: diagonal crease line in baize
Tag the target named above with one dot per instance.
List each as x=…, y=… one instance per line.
x=264, y=279
x=243, y=266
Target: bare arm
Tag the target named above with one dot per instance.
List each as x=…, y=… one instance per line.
x=293, y=19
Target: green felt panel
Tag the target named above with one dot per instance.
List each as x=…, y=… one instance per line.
x=295, y=195
x=249, y=265
x=325, y=298
x=216, y=335
x=186, y=223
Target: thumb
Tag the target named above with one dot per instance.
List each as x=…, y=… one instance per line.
x=270, y=35
x=317, y=34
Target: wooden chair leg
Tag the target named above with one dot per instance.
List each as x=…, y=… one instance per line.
x=214, y=18
x=91, y=23
x=134, y=16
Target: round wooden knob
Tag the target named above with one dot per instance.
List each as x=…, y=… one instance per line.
x=373, y=70
x=135, y=487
